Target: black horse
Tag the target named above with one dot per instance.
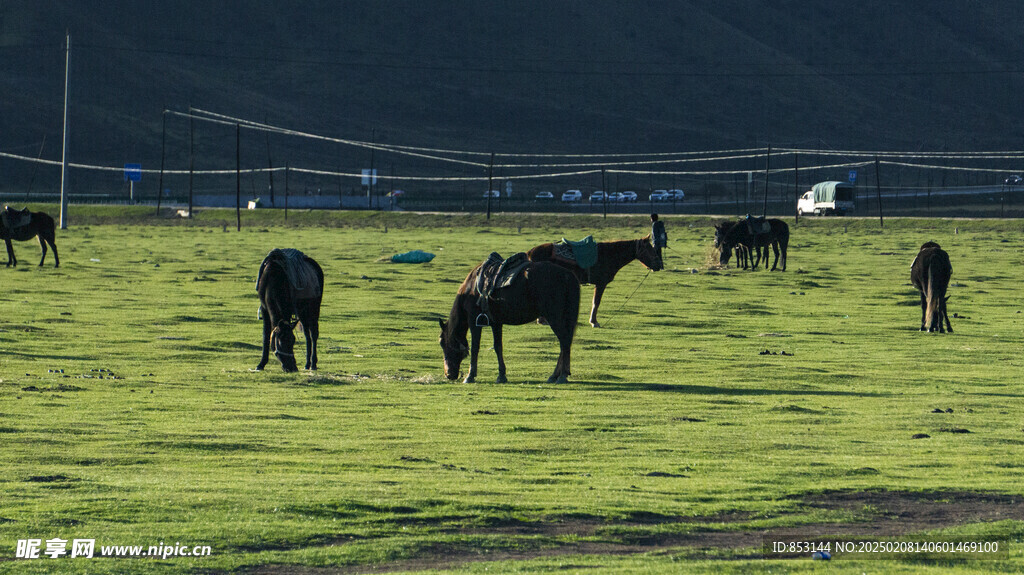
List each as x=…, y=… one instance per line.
x=287, y=287
x=39, y=224
x=611, y=257
x=930, y=274
x=542, y=289
x=777, y=237
x=743, y=256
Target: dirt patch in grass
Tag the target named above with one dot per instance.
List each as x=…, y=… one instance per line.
x=874, y=514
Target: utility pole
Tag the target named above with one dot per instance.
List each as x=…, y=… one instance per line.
x=767, y=165
x=64, y=152
x=238, y=175
x=163, y=154
x=490, y=179
x=191, y=157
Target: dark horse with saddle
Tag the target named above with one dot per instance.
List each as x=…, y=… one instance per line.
x=502, y=292
x=754, y=234
x=598, y=265
x=23, y=225
x=290, y=284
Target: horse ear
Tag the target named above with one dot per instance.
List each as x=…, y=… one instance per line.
x=444, y=325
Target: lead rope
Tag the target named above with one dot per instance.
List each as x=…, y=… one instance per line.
x=628, y=298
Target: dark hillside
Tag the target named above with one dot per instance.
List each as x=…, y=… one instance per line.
x=510, y=76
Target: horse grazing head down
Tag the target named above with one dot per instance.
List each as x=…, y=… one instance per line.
x=455, y=350
x=649, y=255
x=282, y=343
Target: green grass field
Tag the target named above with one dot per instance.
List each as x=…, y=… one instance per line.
x=129, y=414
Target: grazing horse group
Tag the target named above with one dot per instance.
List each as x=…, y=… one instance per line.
x=739, y=236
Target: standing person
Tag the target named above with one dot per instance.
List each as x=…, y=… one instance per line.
x=658, y=236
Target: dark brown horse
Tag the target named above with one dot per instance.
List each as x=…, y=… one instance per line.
x=611, y=257
x=930, y=274
x=284, y=294
x=541, y=290
x=777, y=237
x=39, y=225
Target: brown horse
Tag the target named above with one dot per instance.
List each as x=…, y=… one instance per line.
x=282, y=295
x=542, y=290
x=611, y=257
x=930, y=274
x=40, y=225
x=777, y=237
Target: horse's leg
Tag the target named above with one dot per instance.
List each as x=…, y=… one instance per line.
x=11, y=260
x=474, y=352
x=51, y=239
x=564, y=334
x=496, y=330
x=314, y=331
x=42, y=244
x=924, y=305
x=598, y=293
x=949, y=326
x=307, y=332
x=266, y=339
x=775, y=248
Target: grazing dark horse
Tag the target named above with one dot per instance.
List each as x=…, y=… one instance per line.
x=611, y=257
x=777, y=237
x=286, y=288
x=542, y=289
x=39, y=225
x=743, y=257
x=930, y=274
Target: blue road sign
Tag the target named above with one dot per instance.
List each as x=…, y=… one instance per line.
x=133, y=172
x=853, y=176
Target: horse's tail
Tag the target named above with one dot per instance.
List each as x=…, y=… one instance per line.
x=931, y=296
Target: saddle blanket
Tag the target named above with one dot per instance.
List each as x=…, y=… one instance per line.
x=582, y=253
x=14, y=219
x=305, y=282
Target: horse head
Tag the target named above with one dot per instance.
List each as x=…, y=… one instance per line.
x=720, y=230
x=282, y=343
x=455, y=350
x=649, y=255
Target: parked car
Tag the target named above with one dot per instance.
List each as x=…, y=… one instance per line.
x=659, y=195
x=572, y=196
x=627, y=196
x=826, y=198
x=614, y=197
x=597, y=196
x=676, y=195
x=544, y=196
x=492, y=194
x=1014, y=181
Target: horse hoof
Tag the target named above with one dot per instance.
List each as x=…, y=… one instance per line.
x=501, y=379
x=469, y=380
x=562, y=379
x=595, y=324
x=259, y=368
x=552, y=379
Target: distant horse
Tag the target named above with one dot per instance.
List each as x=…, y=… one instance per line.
x=743, y=256
x=611, y=257
x=777, y=237
x=287, y=287
x=39, y=225
x=543, y=289
x=930, y=274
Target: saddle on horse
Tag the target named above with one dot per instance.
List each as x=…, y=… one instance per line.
x=582, y=253
x=496, y=273
x=757, y=225
x=302, y=277
x=13, y=218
